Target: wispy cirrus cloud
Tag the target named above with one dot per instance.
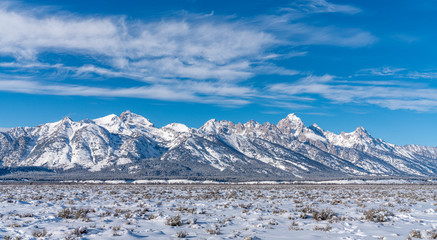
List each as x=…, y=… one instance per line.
x=420, y=105
x=407, y=96
x=322, y=6
x=422, y=75
x=381, y=71
x=174, y=92
x=290, y=25
x=303, y=34
x=397, y=72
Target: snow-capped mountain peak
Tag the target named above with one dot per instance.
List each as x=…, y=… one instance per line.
x=317, y=130
x=360, y=135
x=212, y=126
x=252, y=124
x=66, y=120
x=316, y=127
x=107, y=119
x=134, y=120
x=362, y=132
x=177, y=127
x=112, y=123
x=4, y=129
x=291, y=125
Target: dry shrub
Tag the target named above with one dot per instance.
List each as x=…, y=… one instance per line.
x=432, y=234
x=415, y=234
x=214, y=230
x=321, y=228
x=377, y=215
x=182, y=234
x=324, y=214
x=71, y=213
x=79, y=231
x=174, y=221
x=39, y=233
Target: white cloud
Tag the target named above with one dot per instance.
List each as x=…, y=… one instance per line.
x=175, y=48
x=381, y=71
x=293, y=30
x=218, y=94
x=403, y=96
x=303, y=34
x=190, y=58
x=397, y=72
x=25, y=36
x=322, y=6
x=311, y=84
x=421, y=105
x=422, y=75
x=273, y=69
x=203, y=48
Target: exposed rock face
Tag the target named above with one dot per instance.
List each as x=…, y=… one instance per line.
x=287, y=149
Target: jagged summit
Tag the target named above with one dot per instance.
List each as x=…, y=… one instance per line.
x=292, y=117
x=135, y=120
x=211, y=126
x=291, y=125
x=86, y=121
x=317, y=130
x=108, y=118
x=66, y=119
x=178, y=127
x=131, y=143
x=252, y=124
x=361, y=131
x=112, y=123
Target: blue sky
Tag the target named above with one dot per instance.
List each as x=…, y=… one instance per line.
x=341, y=64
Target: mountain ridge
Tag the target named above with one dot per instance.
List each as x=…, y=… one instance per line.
x=132, y=144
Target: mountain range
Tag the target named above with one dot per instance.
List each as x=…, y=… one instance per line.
x=130, y=145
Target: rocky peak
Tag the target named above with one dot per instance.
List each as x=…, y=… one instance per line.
x=134, y=120
x=66, y=120
x=252, y=124
x=211, y=126
x=4, y=129
x=86, y=121
x=269, y=126
x=358, y=137
x=111, y=122
x=316, y=129
x=239, y=127
x=214, y=127
x=291, y=125
x=64, y=123
x=177, y=127
x=63, y=127
x=360, y=131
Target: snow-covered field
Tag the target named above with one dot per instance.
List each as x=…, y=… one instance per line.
x=129, y=211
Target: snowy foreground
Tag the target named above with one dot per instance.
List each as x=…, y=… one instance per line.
x=127, y=211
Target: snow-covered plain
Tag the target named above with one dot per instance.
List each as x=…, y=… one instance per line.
x=214, y=211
